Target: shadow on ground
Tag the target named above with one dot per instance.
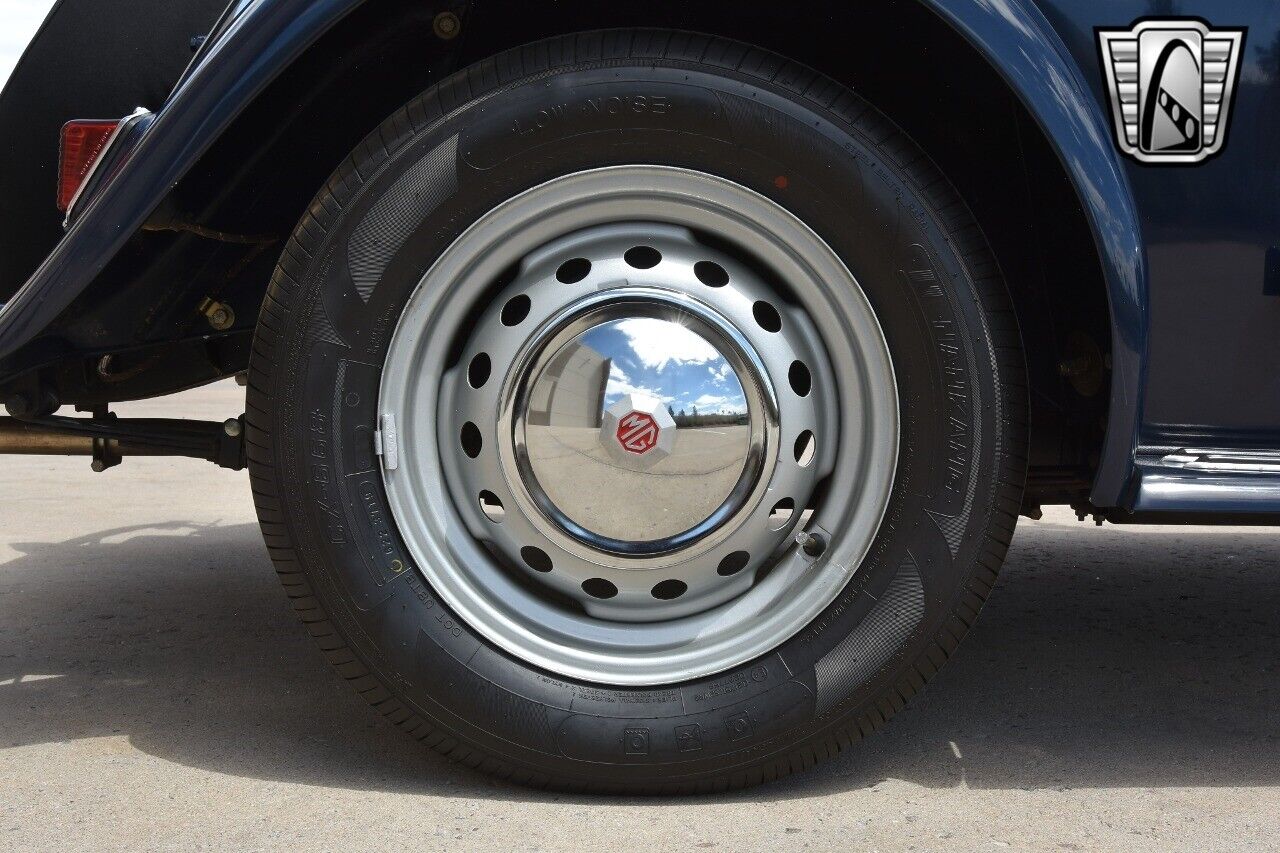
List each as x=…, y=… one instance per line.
x=1112, y=657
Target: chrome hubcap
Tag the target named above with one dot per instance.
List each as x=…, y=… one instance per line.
x=610, y=439
x=606, y=475
x=639, y=423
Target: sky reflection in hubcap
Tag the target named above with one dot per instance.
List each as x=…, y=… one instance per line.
x=669, y=362
x=637, y=429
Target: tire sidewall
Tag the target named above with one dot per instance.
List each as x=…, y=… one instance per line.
x=835, y=178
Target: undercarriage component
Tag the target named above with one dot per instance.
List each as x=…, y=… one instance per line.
x=108, y=439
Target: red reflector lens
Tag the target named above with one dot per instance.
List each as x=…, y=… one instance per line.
x=82, y=143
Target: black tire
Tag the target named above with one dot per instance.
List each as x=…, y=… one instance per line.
x=749, y=116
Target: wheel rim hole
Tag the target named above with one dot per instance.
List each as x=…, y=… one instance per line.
x=767, y=316
x=491, y=506
x=573, y=270
x=472, y=443
x=800, y=378
x=782, y=513
x=733, y=563
x=516, y=309
x=711, y=274
x=668, y=589
x=599, y=588
x=805, y=448
x=642, y=257
x=535, y=558
x=479, y=369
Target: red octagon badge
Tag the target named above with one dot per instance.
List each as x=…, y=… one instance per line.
x=638, y=432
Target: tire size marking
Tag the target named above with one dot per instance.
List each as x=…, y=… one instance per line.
x=318, y=450
x=959, y=436
x=611, y=697
x=733, y=684
x=611, y=105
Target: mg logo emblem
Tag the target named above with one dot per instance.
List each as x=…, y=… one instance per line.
x=638, y=432
x=1171, y=83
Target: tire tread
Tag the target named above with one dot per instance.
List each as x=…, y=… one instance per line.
x=817, y=91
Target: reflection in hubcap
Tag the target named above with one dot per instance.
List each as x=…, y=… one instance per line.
x=637, y=425
x=638, y=428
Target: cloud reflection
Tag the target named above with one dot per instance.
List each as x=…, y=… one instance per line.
x=669, y=362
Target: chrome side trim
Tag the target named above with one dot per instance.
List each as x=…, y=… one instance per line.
x=1209, y=480
x=1224, y=461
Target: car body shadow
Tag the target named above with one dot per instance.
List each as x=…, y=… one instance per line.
x=1113, y=657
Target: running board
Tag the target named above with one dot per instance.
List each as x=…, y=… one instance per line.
x=1214, y=481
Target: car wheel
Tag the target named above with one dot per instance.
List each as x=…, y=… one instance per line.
x=637, y=410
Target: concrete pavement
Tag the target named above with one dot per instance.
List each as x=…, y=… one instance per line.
x=1121, y=691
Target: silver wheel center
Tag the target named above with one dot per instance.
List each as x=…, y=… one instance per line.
x=640, y=412
x=606, y=475
x=636, y=434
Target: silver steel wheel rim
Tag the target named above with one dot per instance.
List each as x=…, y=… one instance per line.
x=472, y=561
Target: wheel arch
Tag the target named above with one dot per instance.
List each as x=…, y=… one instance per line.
x=337, y=57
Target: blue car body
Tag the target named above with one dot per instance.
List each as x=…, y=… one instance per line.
x=1187, y=254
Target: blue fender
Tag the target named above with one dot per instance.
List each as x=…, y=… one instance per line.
x=1018, y=41
x=257, y=40
x=262, y=37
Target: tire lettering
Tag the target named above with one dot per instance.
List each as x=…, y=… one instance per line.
x=612, y=105
x=318, y=448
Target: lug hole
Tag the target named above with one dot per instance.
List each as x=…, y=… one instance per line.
x=668, y=589
x=535, y=558
x=472, y=443
x=801, y=380
x=767, y=316
x=573, y=270
x=642, y=257
x=805, y=448
x=479, y=369
x=516, y=309
x=813, y=544
x=492, y=507
x=599, y=588
x=781, y=514
x=711, y=274
x=733, y=563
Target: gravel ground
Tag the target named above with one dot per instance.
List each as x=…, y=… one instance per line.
x=1119, y=692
